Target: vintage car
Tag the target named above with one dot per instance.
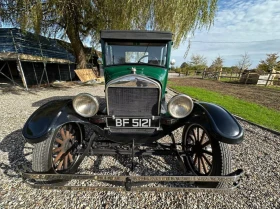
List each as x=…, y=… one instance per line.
x=136, y=112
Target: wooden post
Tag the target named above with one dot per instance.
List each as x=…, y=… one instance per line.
x=230, y=75
x=44, y=64
x=269, y=77
x=11, y=73
x=69, y=70
x=204, y=72
x=240, y=71
x=247, y=78
x=19, y=66
x=35, y=74
x=15, y=83
x=45, y=69
x=59, y=72
x=220, y=74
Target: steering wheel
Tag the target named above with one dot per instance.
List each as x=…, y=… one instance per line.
x=142, y=58
x=154, y=58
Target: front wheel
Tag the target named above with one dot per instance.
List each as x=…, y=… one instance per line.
x=205, y=155
x=58, y=153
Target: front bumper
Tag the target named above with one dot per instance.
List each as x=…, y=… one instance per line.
x=128, y=183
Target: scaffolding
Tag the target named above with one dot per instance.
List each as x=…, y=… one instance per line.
x=32, y=55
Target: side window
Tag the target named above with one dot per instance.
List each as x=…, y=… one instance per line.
x=108, y=54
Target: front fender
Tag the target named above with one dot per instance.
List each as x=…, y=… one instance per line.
x=219, y=123
x=42, y=123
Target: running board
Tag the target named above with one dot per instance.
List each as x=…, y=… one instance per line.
x=129, y=182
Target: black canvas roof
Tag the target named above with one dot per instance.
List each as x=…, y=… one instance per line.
x=136, y=35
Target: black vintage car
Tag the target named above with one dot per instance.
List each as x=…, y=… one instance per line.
x=136, y=112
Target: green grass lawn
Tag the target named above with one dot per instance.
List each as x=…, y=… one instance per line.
x=224, y=79
x=250, y=111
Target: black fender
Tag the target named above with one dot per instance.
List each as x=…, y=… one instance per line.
x=46, y=119
x=217, y=121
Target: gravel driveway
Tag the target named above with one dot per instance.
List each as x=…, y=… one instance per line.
x=258, y=155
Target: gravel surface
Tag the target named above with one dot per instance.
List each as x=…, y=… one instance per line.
x=258, y=155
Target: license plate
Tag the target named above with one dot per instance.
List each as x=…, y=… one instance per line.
x=133, y=122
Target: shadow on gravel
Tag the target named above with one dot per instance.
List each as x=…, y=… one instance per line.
x=15, y=90
x=14, y=145
x=19, y=152
x=144, y=166
x=147, y=165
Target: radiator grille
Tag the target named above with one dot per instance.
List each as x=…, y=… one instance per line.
x=133, y=101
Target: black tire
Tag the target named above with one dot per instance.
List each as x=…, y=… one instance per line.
x=57, y=153
x=205, y=155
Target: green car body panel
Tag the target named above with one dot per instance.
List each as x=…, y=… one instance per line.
x=157, y=73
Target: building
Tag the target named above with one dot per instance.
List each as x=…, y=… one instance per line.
x=29, y=60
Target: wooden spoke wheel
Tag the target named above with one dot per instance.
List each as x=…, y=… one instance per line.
x=58, y=152
x=65, y=144
x=205, y=155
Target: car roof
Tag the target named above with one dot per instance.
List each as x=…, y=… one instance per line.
x=136, y=35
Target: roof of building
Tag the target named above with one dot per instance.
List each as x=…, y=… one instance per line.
x=30, y=47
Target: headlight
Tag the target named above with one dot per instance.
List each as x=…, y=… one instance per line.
x=180, y=106
x=85, y=105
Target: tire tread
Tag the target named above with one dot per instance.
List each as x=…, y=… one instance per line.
x=41, y=150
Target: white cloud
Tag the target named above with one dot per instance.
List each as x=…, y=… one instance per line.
x=238, y=21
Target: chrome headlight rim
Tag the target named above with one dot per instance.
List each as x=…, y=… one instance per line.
x=174, y=99
x=93, y=98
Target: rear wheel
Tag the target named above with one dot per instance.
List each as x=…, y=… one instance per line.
x=58, y=153
x=205, y=156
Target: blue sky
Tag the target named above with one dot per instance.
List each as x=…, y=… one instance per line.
x=254, y=23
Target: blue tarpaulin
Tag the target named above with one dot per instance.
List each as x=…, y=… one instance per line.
x=59, y=63
x=14, y=40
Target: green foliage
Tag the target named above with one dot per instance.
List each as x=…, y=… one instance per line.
x=233, y=69
x=172, y=68
x=188, y=69
x=270, y=63
x=250, y=111
x=198, y=60
x=88, y=17
x=184, y=64
x=197, y=63
x=178, y=70
x=217, y=64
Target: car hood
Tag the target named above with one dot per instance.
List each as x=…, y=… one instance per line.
x=157, y=73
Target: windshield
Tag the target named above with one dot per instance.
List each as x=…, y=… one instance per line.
x=118, y=53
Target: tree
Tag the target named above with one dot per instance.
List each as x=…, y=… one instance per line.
x=183, y=65
x=197, y=59
x=78, y=19
x=245, y=62
x=217, y=64
x=198, y=62
x=270, y=63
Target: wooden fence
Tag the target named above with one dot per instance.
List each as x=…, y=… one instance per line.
x=222, y=75
x=273, y=78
